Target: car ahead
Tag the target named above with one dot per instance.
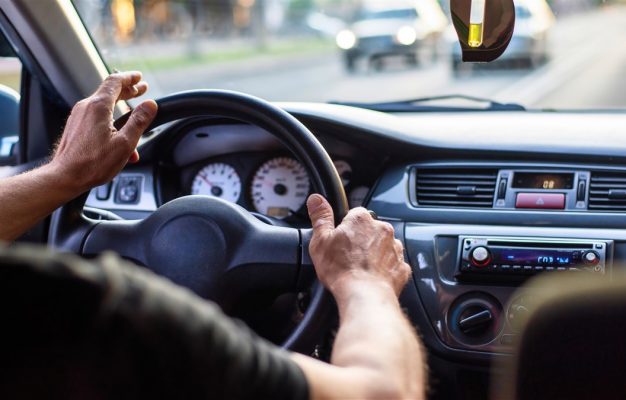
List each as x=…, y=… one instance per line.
x=382, y=29
x=529, y=45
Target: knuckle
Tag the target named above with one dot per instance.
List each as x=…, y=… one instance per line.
x=97, y=101
x=113, y=77
x=140, y=118
x=358, y=211
x=386, y=228
x=125, y=142
x=81, y=104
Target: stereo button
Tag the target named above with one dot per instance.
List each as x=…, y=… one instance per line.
x=555, y=201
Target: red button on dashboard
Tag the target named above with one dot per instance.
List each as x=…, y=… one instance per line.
x=540, y=200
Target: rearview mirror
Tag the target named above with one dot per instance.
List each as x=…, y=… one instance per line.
x=484, y=27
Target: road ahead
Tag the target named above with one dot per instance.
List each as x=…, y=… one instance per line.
x=587, y=69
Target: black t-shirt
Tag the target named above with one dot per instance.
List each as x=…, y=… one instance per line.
x=104, y=328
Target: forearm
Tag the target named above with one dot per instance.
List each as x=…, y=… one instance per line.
x=375, y=335
x=29, y=197
x=376, y=354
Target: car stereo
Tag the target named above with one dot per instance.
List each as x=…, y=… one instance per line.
x=519, y=257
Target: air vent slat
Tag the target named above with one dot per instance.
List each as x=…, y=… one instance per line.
x=607, y=200
x=456, y=203
x=608, y=185
x=456, y=196
x=456, y=187
x=616, y=179
x=444, y=189
x=453, y=176
x=607, y=191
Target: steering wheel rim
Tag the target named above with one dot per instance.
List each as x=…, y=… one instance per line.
x=70, y=230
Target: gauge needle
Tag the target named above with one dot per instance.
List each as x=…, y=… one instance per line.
x=206, y=180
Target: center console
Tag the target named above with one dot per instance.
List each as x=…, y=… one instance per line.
x=467, y=275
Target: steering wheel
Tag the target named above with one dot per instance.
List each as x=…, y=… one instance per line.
x=213, y=247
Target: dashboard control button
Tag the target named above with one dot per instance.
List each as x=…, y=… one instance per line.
x=508, y=340
x=549, y=268
x=561, y=269
x=103, y=191
x=502, y=188
x=505, y=267
x=480, y=256
x=528, y=268
x=539, y=268
x=554, y=201
x=128, y=190
x=581, y=192
x=517, y=268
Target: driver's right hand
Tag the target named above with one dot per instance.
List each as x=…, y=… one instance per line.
x=360, y=248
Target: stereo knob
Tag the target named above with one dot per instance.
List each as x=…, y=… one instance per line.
x=480, y=256
x=591, y=258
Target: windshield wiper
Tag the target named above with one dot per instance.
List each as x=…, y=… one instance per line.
x=417, y=105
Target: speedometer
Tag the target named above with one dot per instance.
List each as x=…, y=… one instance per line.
x=217, y=180
x=279, y=187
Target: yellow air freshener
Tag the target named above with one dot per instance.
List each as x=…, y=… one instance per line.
x=484, y=28
x=477, y=20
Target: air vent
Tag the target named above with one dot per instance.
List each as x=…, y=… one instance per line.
x=607, y=191
x=456, y=187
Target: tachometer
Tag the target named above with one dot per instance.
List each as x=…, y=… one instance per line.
x=279, y=187
x=344, y=170
x=357, y=196
x=218, y=180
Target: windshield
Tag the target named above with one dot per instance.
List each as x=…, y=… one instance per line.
x=403, y=13
x=565, y=54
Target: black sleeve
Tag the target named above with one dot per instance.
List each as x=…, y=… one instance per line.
x=107, y=328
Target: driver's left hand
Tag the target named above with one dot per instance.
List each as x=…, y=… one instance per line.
x=91, y=151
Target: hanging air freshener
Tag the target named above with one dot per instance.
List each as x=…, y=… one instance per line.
x=484, y=27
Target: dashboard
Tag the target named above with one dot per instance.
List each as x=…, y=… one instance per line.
x=482, y=202
x=241, y=164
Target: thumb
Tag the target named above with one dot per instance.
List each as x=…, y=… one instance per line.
x=139, y=120
x=321, y=214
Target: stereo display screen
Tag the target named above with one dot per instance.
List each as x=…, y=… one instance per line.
x=535, y=257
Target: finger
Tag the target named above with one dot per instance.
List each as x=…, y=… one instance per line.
x=138, y=122
x=130, y=92
x=134, y=157
x=321, y=214
x=398, y=244
x=112, y=87
x=399, y=248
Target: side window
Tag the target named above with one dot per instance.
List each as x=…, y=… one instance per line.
x=10, y=78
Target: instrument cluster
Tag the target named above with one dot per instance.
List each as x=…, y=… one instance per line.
x=275, y=185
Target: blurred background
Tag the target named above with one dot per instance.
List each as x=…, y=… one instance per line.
x=564, y=54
